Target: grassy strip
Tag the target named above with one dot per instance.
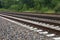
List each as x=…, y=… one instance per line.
x=10, y=10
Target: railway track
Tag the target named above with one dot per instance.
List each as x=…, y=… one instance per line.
x=39, y=24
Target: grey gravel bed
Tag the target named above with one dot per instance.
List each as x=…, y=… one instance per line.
x=12, y=31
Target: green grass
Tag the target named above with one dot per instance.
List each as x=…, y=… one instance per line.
x=30, y=10
x=6, y=10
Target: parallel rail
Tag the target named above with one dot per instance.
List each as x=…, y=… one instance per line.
x=30, y=17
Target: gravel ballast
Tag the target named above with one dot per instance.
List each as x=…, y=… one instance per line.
x=12, y=31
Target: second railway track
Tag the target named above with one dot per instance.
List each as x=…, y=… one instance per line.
x=46, y=27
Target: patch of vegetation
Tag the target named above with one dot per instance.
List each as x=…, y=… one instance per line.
x=43, y=6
